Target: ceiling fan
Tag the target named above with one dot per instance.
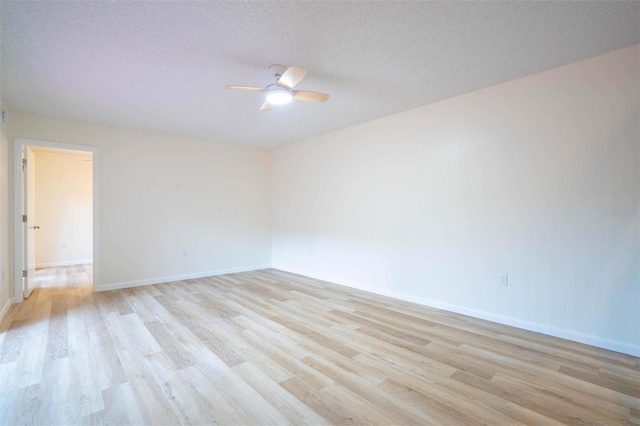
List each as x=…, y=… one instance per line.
x=281, y=92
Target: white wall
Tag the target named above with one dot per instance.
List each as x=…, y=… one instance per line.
x=434, y=204
x=64, y=198
x=5, y=279
x=160, y=195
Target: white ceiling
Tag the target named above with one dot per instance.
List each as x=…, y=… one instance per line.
x=160, y=66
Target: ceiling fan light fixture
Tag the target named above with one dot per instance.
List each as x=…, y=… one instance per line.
x=281, y=92
x=277, y=95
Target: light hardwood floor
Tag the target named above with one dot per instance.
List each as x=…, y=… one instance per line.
x=269, y=347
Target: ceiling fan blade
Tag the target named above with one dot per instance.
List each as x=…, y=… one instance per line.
x=291, y=77
x=266, y=106
x=245, y=88
x=304, y=95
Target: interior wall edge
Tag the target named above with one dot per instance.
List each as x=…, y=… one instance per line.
x=574, y=336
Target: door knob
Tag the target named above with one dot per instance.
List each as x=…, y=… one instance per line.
x=36, y=227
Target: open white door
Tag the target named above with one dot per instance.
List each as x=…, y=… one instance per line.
x=29, y=226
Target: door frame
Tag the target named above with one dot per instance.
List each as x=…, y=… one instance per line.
x=28, y=205
x=18, y=245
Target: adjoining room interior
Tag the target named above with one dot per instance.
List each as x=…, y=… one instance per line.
x=64, y=200
x=63, y=212
x=320, y=212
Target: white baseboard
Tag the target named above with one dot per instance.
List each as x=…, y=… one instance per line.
x=5, y=308
x=514, y=322
x=63, y=263
x=128, y=284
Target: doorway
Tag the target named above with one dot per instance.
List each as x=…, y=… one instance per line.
x=61, y=228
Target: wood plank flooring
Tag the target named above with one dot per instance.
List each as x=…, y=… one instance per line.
x=272, y=348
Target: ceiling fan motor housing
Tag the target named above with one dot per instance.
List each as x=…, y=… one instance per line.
x=277, y=70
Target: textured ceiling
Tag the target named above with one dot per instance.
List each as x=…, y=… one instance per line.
x=160, y=66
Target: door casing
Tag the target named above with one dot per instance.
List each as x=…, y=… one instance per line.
x=19, y=244
x=28, y=227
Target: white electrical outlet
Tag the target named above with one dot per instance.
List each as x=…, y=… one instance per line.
x=504, y=280
x=185, y=253
x=64, y=245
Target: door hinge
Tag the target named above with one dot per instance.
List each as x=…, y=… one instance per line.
x=24, y=217
x=24, y=163
x=25, y=274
